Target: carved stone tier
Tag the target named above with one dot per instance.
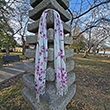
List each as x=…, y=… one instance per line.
x=50, y=93
x=63, y=3
x=33, y=27
x=29, y=67
x=48, y=101
x=45, y=4
x=33, y=39
x=59, y=104
x=30, y=53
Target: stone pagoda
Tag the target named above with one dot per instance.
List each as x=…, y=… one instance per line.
x=48, y=101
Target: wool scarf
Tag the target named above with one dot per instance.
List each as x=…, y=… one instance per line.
x=42, y=56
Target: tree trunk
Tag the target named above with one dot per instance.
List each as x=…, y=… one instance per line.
x=23, y=52
x=94, y=49
x=7, y=46
x=7, y=50
x=23, y=46
x=104, y=52
x=97, y=50
x=86, y=52
x=77, y=51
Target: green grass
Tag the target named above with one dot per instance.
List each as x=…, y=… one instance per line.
x=92, y=82
x=11, y=95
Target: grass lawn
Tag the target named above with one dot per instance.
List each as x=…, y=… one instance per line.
x=11, y=53
x=92, y=81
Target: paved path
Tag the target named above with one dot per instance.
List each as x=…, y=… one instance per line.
x=12, y=70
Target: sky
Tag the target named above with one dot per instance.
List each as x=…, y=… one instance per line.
x=74, y=5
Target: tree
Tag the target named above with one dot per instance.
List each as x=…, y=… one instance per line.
x=22, y=18
x=90, y=17
x=4, y=39
x=6, y=15
x=14, y=19
x=78, y=43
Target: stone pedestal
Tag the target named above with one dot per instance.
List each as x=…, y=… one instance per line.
x=49, y=101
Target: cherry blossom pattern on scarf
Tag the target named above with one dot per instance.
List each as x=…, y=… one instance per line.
x=42, y=55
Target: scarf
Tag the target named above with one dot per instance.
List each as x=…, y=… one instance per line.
x=42, y=55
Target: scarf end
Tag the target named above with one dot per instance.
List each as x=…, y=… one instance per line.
x=38, y=98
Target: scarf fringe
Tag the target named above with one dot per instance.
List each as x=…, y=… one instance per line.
x=38, y=98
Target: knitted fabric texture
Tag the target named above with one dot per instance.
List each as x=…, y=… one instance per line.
x=42, y=56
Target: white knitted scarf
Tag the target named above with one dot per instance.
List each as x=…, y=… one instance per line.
x=42, y=55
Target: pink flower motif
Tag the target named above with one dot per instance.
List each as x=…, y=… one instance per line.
x=65, y=77
x=59, y=54
x=41, y=18
x=40, y=53
x=42, y=50
x=45, y=59
x=61, y=34
x=58, y=23
x=60, y=83
x=55, y=31
x=37, y=69
x=40, y=32
x=41, y=64
x=64, y=82
x=44, y=35
x=63, y=74
x=46, y=11
x=40, y=79
x=63, y=68
x=43, y=92
x=37, y=73
x=36, y=84
x=62, y=56
x=59, y=68
x=59, y=76
x=37, y=91
x=43, y=82
x=61, y=50
x=46, y=50
x=37, y=40
x=61, y=31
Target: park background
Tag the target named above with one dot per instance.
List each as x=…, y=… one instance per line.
x=90, y=21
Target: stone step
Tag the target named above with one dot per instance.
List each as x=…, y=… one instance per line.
x=33, y=39
x=60, y=104
x=30, y=66
x=50, y=92
x=30, y=99
x=33, y=27
x=34, y=3
x=63, y=3
x=30, y=53
x=45, y=4
x=28, y=81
